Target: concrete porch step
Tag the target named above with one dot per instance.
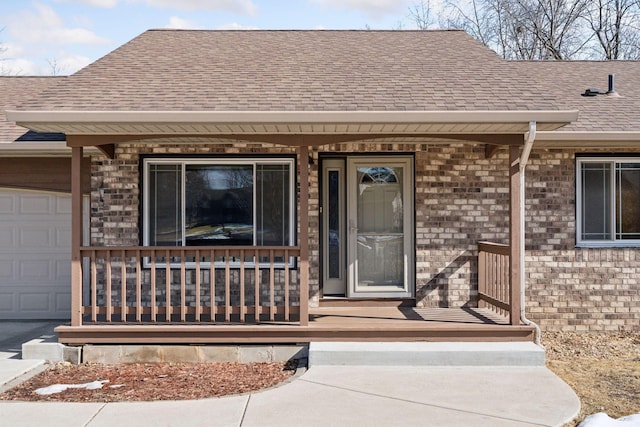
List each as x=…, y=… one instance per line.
x=425, y=354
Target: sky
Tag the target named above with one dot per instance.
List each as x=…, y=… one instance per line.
x=58, y=37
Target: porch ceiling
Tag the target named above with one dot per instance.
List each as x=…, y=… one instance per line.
x=234, y=125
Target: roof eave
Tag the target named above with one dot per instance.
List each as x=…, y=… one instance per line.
x=588, y=139
x=38, y=149
x=72, y=121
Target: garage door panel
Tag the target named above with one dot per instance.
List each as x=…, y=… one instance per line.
x=35, y=255
x=35, y=237
x=7, y=236
x=6, y=269
x=63, y=271
x=7, y=204
x=25, y=303
x=63, y=206
x=63, y=237
x=35, y=270
x=6, y=302
x=39, y=204
x=34, y=301
x=63, y=301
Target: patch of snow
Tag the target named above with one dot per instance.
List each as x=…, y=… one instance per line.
x=603, y=420
x=59, y=388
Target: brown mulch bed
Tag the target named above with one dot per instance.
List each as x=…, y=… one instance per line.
x=602, y=368
x=153, y=381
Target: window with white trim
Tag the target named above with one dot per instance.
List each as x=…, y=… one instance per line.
x=608, y=201
x=218, y=202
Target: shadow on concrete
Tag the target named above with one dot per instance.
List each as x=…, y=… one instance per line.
x=15, y=333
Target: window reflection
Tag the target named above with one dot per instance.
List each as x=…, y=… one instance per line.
x=165, y=226
x=219, y=205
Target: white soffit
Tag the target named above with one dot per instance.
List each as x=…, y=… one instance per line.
x=288, y=122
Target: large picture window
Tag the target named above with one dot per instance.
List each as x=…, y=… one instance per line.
x=608, y=202
x=216, y=202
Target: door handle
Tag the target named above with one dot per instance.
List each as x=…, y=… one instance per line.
x=352, y=227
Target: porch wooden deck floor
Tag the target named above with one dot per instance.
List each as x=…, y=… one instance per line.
x=405, y=316
x=325, y=324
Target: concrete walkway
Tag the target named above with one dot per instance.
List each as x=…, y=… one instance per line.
x=12, y=335
x=332, y=396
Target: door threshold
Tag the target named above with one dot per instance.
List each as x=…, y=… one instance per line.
x=337, y=301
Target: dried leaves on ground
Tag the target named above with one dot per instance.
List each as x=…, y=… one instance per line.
x=602, y=368
x=153, y=381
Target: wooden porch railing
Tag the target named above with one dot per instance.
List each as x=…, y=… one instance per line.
x=494, y=278
x=190, y=284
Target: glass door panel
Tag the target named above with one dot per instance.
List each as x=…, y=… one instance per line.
x=333, y=217
x=380, y=227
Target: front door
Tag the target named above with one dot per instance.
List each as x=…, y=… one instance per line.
x=369, y=253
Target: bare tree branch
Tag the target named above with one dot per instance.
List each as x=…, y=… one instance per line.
x=420, y=14
x=614, y=24
x=55, y=68
x=524, y=29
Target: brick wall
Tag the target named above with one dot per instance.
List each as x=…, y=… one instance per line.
x=569, y=288
x=460, y=198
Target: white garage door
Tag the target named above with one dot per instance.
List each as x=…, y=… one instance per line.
x=35, y=255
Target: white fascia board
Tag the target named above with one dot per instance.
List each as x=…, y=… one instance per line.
x=612, y=136
x=555, y=116
x=39, y=148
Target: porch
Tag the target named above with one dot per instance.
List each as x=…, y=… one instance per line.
x=258, y=294
x=133, y=295
x=325, y=324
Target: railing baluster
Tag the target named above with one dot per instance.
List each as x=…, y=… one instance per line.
x=499, y=281
x=183, y=288
x=482, y=279
x=504, y=267
x=271, y=285
x=167, y=297
x=256, y=267
x=123, y=287
x=154, y=303
x=286, y=285
x=198, y=284
x=212, y=286
x=227, y=287
x=138, y=288
x=108, y=284
x=94, y=286
x=242, y=307
x=495, y=289
x=492, y=278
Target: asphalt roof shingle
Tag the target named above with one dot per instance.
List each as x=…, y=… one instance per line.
x=15, y=90
x=567, y=80
x=196, y=70
x=446, y=70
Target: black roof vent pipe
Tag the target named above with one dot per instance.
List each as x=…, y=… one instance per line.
x=612, y=91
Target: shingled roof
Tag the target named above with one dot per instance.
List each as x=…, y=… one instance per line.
x=190, y=70
x=566, y=81
x=15, y=90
